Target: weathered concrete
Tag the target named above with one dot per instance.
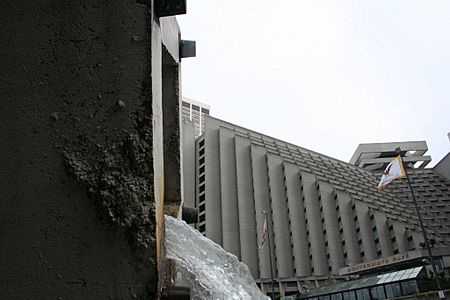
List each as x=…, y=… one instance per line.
x=81, y=176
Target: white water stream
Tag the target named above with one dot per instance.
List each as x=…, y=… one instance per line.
x=210, y=271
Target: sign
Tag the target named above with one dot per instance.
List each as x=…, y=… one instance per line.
x=380, y=262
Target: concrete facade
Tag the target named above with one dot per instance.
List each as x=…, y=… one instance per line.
x=376, y=156
x=324, y=214
x=443, y=167
x=90, y=157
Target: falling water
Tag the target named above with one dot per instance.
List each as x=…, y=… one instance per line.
x=210, y=271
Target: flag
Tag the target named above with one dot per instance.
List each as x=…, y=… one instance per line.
x=265, y=233
x=393, y=171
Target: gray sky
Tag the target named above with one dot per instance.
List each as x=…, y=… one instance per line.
x=324, y=75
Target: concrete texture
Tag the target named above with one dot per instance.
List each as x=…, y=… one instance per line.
x=81, y=171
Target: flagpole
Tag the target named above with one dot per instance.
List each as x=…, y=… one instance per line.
x=270, y=252
x=427, y=244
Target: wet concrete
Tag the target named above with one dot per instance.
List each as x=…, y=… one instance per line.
x=77, y=169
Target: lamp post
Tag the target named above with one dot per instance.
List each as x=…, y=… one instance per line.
x=270, y=252
x=426, y=241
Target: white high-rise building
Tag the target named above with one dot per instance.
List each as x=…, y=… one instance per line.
x=194, y=111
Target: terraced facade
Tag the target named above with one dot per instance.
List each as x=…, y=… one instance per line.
x=325, y=214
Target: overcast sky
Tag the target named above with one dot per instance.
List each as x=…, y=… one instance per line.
x=324, y=75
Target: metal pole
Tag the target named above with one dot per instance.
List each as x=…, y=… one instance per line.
x=270, y=253
x=427, y=244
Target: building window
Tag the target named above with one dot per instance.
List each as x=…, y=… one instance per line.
x=202, y=228
x=201, y=188
x=185, y=104
x=201, y=218
x=202, y=143
x=363, y=294
x=205, y=110
x=202, y=198
x=378, y=292
x=393, y=290
x=409, y=287
x=349, y=295
x=195, y=107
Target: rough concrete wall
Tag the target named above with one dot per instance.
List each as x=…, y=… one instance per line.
x=171, y=132
x=76, y=175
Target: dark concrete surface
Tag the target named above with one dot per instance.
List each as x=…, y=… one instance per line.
x=76, y=210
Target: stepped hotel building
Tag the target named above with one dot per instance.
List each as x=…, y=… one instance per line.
x=327, y=220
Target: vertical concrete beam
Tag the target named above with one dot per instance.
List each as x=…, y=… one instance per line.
x=348, y=227
x=281, y=221
x=366, y=233
x=332, y=227
x=262, y=202
x=400, y=237
x=212, y=181
x=246, y=203
x=230, y=213
x=315, y=226
x=188, y=164
x=158, y=141
x=383, y=235
x=298, y=224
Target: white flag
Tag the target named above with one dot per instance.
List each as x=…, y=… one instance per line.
x=393, y=171
x=265, y=233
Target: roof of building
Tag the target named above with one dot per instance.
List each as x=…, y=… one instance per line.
x=366, y=282
x=376, y=156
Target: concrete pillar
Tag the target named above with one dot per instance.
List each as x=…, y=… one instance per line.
x=213, y=192
x=366, y=234
x=348, y=228
x=281, y=222
x=188, y=165
x=261, y=193
x=400, y=237
x=333, y=236
x=315, y=226
x=297, y=217
x=246, y=202
x=383, y=235
x=229, y=202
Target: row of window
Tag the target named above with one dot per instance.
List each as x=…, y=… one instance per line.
x=195, y=107
x=380, y=292
x=201, y=188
